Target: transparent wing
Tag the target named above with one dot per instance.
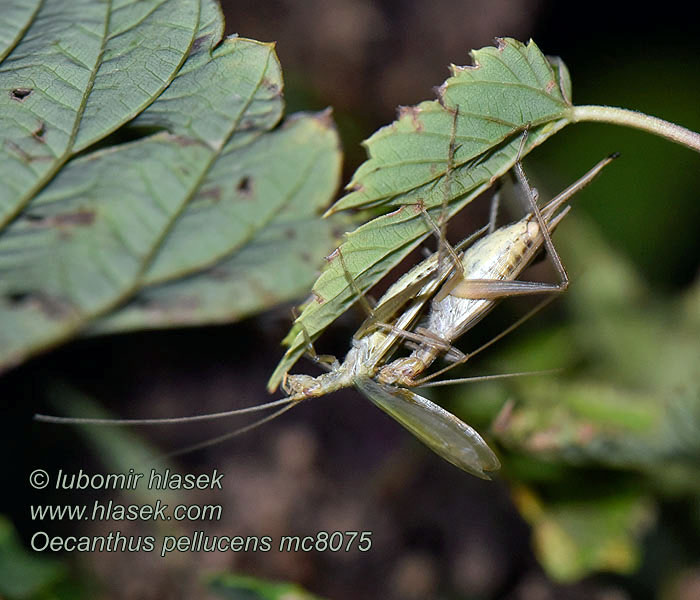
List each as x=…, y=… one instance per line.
x=437, y=428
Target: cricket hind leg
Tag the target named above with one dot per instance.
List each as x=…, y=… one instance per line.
x=488, y=289
x=544, y=225
x=547, y=220
x=485, y=289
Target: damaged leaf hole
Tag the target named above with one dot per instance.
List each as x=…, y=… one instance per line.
x=20, y=94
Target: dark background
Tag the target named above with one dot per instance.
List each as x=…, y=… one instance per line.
x=337, y=463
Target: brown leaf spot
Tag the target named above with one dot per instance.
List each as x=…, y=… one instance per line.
x=550, y=86
x=78, y=218
x=212, y=193
x=20, y=94
x=249, y=124
x=218, y=273
x=184, y=141
x=271, y=86
x=245, y=186
x=411, y=112
x=39, y=134
x=15, y=298
x=53, y=308
x=197, y=44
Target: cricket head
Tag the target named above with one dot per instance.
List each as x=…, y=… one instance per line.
x=301, y=386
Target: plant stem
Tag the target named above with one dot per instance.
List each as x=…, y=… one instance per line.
x=631, y=118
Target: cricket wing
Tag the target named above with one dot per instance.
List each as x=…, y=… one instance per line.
x=437, y=428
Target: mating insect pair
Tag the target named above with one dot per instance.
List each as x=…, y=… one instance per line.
x=460, y=293
x=461, y=287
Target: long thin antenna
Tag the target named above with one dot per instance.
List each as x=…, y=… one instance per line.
x=166, y=420
x=479, y=378
x=231, y=434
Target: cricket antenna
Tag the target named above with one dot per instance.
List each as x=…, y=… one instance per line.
x=289, y=401
x=230, y=434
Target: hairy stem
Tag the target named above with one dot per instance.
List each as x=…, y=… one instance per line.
x=631, y=118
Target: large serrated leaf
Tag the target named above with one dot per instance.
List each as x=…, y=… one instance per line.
x=86, y=238
x=84, y=242
x=218, y=191
x=80, y=70
x=508, y=89
x=280, y=261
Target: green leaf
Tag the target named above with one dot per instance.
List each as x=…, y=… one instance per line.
x=508, y=89
x=82, y=69
x=16, y=16
x=86, y=238
x=294, y=169
x=239, y=193
x=24, y=575
x=242, y=587
x=576, y=537
x=218, y=190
